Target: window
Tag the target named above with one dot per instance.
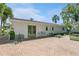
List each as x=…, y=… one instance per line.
x=34, y=29
x=31, y=31
x=52, y=28
x=46, y=28
x=63, y=28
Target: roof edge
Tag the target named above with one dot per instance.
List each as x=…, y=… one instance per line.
x=34, y=21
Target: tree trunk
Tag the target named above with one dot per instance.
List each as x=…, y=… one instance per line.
x=1, y=22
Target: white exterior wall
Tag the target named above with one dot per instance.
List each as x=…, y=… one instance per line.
x=58, y=30
x=22, y=28
x=41, y=30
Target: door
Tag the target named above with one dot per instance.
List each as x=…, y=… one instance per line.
x=31, y=31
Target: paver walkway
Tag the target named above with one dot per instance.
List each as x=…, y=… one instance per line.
x=51, y=46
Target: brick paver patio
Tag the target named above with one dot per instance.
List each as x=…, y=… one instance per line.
x=51, y=46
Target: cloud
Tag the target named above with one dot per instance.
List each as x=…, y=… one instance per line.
x=28, y=10
x=28, y=13
x=55, y=12
x=23, y=5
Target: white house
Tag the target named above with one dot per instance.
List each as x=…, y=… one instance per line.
x=31, y=28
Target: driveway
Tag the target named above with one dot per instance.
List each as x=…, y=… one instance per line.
x=51, y=46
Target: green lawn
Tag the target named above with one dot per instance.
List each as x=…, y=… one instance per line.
x=74, y=37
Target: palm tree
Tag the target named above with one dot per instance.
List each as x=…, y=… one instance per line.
x=5, y=13
x=1, y=11
x=55, y=18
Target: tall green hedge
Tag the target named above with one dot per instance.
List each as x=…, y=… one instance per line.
x=12, y=35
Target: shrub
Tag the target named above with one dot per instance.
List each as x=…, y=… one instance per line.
x=59, y=36
x=51, y=34
x=12, y=35
x=19, y=37
x=75, y=38
x=59, y=33
x=74, y=32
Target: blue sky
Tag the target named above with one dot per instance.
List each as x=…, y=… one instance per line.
x=39, y=11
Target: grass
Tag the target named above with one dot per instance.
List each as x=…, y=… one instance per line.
x=58, y=36
x=74, y=37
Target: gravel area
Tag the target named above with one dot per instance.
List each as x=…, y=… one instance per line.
x=50, y=46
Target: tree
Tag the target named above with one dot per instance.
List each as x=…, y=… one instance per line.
x=70, y=15
x=77, y=27
x=66, y=20
x=55, y=18
x=5, y=13
x=68, y=26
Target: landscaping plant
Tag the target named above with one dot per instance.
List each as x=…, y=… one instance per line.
x=12, y=35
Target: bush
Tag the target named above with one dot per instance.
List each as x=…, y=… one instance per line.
x=75, y=38
x=51, y=34
x=59, y=33
x=74, y=32
x=77, y=35
x=59, y=36
x=19, y=37
x=12, y=35
x=56, y=34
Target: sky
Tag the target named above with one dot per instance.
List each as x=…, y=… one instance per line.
x=38, y=11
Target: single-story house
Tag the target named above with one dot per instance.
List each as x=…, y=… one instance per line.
x=31, y=28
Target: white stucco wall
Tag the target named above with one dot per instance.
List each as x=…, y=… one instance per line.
x=22, y=28
x=58, y=30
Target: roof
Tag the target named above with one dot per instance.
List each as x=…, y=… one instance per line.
x=35, y=21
